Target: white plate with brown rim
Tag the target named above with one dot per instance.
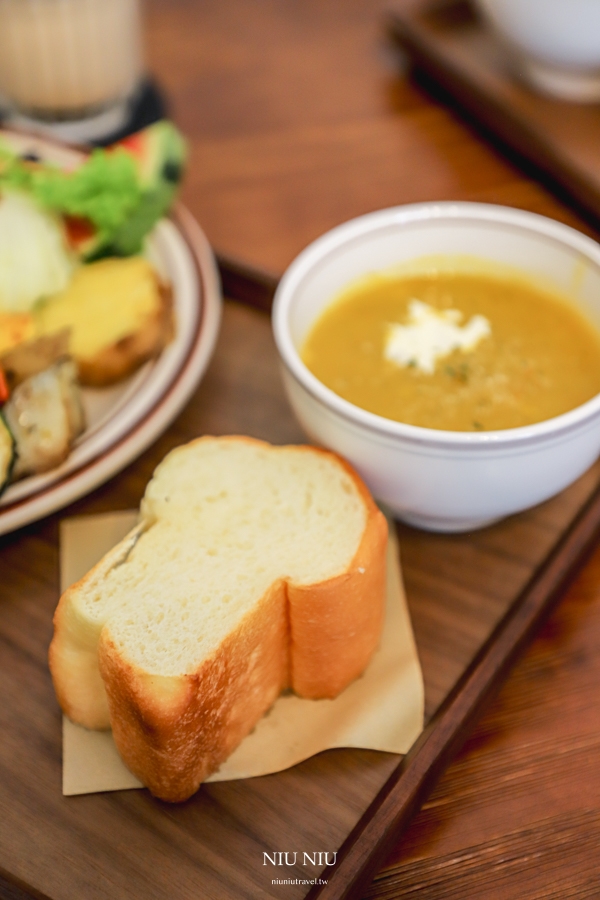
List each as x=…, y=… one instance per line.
x=123, y=420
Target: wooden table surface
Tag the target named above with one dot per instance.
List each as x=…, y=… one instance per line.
x=299, y=116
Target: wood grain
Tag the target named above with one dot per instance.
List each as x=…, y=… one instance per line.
x=449, y=42
x=297, y=120
x=299, y=117
x=517, y=810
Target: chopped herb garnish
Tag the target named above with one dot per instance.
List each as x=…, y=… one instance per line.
x=461, y=373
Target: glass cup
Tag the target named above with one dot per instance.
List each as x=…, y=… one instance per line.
x=69, y=67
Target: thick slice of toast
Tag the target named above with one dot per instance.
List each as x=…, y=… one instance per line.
x=118, y=315
x=253, y=569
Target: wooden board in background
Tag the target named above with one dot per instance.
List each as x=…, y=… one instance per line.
x=447, y=41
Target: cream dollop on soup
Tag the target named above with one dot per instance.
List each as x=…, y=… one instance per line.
x=456, y=351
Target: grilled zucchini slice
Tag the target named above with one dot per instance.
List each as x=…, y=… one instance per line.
x=45, y=415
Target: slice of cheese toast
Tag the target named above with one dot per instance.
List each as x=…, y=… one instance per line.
x=118, y=315
x=253, y=569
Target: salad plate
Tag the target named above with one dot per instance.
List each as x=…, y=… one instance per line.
x=124, y=419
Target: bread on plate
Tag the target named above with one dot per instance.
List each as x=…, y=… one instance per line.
x=253, y=569
x=118, y=314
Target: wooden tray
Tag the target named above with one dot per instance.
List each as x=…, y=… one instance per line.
x=446, y=41
x=475, y=599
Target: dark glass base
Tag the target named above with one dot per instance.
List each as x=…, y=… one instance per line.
x=147, y=105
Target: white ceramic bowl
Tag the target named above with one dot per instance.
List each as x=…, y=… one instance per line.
x=555, y=43
x=441, y=480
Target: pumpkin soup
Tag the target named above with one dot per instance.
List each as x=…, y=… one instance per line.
x=455, y=351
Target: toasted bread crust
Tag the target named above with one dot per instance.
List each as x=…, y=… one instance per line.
x=174, y=731
x=120, y=359
x=335, y=626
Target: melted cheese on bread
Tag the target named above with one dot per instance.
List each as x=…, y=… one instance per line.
x=105, y=302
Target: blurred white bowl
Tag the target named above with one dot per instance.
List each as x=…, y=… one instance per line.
x=555, y=44
x=441, y=480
